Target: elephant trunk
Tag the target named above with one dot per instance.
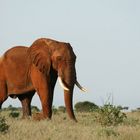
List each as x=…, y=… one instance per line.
x=68, y=97
x=69, y=81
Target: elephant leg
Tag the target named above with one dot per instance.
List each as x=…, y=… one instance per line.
x=53, y=82
x=3, y=92
x=26, y=103
x=45, y=97
x=42, y=86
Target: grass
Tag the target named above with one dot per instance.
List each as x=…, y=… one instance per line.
x=60, y=127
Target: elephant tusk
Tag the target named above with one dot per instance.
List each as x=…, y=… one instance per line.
x=80, y=87
x=62, y=84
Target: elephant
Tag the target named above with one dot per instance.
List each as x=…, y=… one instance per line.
x=11, y=72
x=26, y=70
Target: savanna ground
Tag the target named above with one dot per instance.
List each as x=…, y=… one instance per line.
x=61, y=128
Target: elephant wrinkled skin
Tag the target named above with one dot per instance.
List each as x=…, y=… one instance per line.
x=26, y=70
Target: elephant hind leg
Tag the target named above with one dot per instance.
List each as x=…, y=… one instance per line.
x=3, y=92
x=26, y=103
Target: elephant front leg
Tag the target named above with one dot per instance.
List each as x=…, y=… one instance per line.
x=26, y=103
x=46, y=107
x=41, y=83
x=45, y=97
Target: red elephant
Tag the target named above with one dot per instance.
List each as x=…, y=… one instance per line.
x=26, y=70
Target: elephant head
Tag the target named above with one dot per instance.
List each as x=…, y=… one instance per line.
x=48, y=54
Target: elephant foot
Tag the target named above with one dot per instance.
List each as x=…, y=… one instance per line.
x=75, y=120
x=39, y=117
x=26, y=117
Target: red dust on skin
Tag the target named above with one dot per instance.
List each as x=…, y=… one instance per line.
x=25, y=70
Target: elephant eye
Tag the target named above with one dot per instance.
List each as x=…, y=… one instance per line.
x=59, y=58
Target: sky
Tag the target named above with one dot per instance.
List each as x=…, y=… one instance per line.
x=105, y=36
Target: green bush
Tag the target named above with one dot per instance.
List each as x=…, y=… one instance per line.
x=109, y=115
x=62, y=109
x=11, y=108
x=35, y=109
x=54, y=110
x=3, y=125
x=85, y=106
x=14, y=114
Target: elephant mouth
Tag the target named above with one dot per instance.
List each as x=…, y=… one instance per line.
x=67, y=89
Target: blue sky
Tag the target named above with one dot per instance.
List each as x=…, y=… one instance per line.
x=105, y=35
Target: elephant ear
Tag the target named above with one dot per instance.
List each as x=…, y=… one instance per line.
x=40, y=56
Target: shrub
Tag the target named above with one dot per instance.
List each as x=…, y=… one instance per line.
x=3, y=126
x=85, y=106
x=62, y=109
x=109, y=115
x=123, y=108
x=11, y=108
x=14, y=114
x=136, y=110
x=54, y=110
x=35, y=109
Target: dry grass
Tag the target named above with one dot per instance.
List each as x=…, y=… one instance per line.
x=61, y=128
